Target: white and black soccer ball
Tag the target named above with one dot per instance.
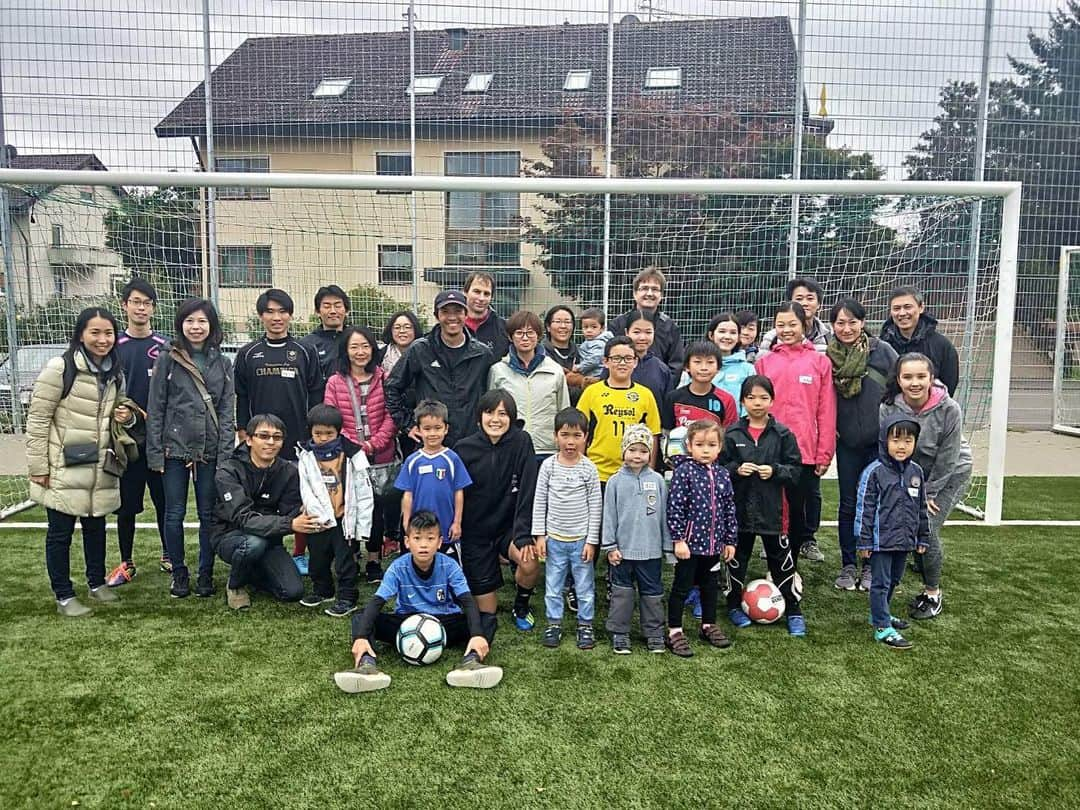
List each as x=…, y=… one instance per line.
x=421, y=639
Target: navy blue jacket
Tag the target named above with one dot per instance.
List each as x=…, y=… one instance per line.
x=890, y=510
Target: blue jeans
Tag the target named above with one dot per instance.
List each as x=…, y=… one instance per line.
x=886, y=567
x=58, y=551
x=565, y=557
x=850, y=462
x=175, y=481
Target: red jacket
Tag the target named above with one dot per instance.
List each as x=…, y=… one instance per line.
x=380, y=446
x=805, y=398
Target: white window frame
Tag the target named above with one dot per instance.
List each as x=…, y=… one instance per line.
x=332, y=87
x=478, y=83
x=577, y=80
x=663, y=78
x=426, y=85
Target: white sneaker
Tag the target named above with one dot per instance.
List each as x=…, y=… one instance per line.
x=473, y=674
x=365, y=678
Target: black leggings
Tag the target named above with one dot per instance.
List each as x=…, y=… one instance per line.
x=385, y=521
x=688, y=572
x=780, y=554
x=804, y=507
x=455, y=625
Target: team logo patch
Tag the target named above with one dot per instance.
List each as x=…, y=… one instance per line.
x=651, y=500
x=440, y=595
x=227, y=497
x=632, y=396
x=291, y=355
x=440, y=474
x=915, y=481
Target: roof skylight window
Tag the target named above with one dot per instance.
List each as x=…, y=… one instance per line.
x=479, y=82
x=425, y=85
x=330, y=88
x=663, y=78
x=577, y=80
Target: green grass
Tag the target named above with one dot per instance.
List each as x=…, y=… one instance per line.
x=167, y=703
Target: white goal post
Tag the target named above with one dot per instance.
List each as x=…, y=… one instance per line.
x=1009, y=193
x=1063, y=388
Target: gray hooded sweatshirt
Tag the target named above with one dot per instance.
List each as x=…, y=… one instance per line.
x=635, y=515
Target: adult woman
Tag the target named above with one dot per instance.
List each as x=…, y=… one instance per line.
x=190, y=419
x=724, y=330
x=806, y=404
x=536, y=382
x=559, y=323
x=940, y=450
x=400, y=331
x=357, y=391
x=68, y=434
x=861, y=367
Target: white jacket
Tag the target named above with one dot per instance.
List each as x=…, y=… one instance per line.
x=359, y=498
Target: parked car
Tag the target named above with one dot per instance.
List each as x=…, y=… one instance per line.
x=31, y=360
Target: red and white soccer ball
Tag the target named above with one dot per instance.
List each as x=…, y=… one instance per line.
x=763, y=602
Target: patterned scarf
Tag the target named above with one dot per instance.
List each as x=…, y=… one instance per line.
x=849, y=364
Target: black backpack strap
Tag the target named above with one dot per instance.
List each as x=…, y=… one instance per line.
x=68, y=375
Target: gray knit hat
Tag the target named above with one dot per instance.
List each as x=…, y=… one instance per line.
x=637, y=434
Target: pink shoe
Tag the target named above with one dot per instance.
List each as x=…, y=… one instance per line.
x=121, y=575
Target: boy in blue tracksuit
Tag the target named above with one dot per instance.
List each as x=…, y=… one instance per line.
x=890, y=513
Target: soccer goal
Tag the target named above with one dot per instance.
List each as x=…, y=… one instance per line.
x=1067, y=344
x=393, y=241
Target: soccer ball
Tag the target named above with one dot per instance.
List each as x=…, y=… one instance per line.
x=676, y=443
x=421, y=639
x=763, y=602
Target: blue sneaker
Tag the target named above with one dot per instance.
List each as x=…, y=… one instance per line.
x=739, y=618
x=300, y=561
x=796, y=626
x=525, y=623
x=890, y=637
x=693, y=599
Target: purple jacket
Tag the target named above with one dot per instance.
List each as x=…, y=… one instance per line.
x=701, y=507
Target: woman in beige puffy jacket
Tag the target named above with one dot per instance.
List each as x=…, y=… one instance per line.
x=66, y=442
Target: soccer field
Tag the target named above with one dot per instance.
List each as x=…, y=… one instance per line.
x=179, y=703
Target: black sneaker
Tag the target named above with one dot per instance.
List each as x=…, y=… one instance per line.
x=571, y=600
x=586, y=639
x=314, y=600
x=204, y=586
x=552, y=636
x=340, y=608
x=181, y=585
x=373, y=572
x=927, y=607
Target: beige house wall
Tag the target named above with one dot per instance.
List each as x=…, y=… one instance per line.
x=322, y=237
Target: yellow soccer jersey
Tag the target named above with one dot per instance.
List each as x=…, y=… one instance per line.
x=609, y=410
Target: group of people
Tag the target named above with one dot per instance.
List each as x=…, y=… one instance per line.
x=489, y=441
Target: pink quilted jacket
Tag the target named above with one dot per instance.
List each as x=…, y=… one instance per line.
x=380, y=446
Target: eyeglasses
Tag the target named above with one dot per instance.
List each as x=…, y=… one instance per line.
x=524, y=333
x=622, y=360
x=403, y=327
x=269, y=437
x=649, y=288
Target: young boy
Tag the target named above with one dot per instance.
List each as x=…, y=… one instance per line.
x=635, y=537
x=591, y=350
x=699, y=399
x=336, y=488
x=612, y=405
x=891, y=515
x=566, y=525
x=422, y=581
x=434, y=477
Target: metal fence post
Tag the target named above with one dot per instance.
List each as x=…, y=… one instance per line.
x=796, y=156
x=9, y=278
x=211, y=192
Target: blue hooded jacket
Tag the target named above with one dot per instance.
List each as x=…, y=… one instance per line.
x=890, y=510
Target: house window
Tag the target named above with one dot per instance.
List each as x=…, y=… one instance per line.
x=395, y=164
x=395, y=264
x=479, y=83
x=663, y=78
x=259, y=163
x=245, y=266
x=573, y=161
x=477, y=253
x=87, y=194
x=482, y=210
x=331, y=88
x=578, y=80
x=57, y=235
x=425, y=85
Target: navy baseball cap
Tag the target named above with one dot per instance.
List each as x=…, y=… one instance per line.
x=448, y=298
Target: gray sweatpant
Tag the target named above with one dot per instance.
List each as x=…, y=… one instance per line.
x=949, y=496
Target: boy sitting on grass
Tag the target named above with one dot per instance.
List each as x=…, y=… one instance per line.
x=422, y=581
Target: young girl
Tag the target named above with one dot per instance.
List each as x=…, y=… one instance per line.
x=942, y=453
x=806, y=403
x=650, y=370
x=496, y=522
x=723, y=331
x=701, y=517
x=748, y=333
x=762, y=457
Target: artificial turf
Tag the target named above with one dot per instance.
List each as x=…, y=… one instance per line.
x=179, y=703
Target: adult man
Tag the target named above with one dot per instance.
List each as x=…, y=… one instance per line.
x=332, y=307
x=258, y=502
x=447, y=364
x=483, y=322
x=808, y=294
x=277, y=373
x=649, y=287
x=138, y=347
x=911, y=329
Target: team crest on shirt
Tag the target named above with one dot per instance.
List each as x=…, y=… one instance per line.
x=440, y=474
x=440, y=595
x=632, y=396
x=915, y=481
x=291, y=355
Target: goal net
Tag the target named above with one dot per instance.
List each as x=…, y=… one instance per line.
x=393, y=242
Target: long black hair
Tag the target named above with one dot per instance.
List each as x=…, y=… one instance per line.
x=185, y=311
x=892, y=387
x=344, y=366
x=76, y=342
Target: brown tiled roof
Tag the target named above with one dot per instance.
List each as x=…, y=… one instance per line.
x=21, y=199
x=265, y=86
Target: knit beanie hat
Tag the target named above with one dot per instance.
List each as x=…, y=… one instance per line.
x=637, y=434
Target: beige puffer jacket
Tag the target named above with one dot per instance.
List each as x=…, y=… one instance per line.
x=80, y=418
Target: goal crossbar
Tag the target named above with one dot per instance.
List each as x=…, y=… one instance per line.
x=1009, y=193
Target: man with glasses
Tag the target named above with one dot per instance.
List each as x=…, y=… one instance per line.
x=138, y=347
x=258, y=502
x=447, y=365
x=649, y=287
x=332, y=307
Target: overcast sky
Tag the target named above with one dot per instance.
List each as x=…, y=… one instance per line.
x=96, y=76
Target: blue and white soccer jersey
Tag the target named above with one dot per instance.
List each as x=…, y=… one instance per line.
x=436, y=594
x=433, y=480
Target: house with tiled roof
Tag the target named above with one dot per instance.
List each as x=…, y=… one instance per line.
x=485, y=101
x=58, y=232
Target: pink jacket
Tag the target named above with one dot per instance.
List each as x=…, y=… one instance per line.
x=380, y=447
x=805, y=397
